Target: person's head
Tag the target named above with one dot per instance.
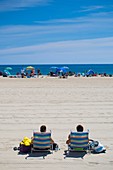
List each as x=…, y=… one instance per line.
x=79, y=128
x=43, y=128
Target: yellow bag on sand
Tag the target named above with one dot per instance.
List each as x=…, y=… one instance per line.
x=26, y=141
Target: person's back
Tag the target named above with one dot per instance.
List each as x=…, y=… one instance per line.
x=43, y=131
x=78, y=140
x=79, y=128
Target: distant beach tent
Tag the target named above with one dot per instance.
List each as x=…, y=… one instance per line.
x=8, y=68
x=90, y=72
x=30, y=68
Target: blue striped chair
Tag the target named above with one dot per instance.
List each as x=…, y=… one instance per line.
x=79, y=141
x=41, y=141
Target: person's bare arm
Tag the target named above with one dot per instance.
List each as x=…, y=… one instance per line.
x=52, y=141
x=68, y=141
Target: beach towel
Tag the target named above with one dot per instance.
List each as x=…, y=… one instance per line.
x=97, y=147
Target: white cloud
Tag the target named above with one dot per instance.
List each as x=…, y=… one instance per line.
x=80, y=51
x=57, y=21
x=91, y=26
x=91, y=8
x=30, y=43
x=6, y=5
x=99, y=17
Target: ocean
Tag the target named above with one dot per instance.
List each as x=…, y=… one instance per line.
x=77, y=68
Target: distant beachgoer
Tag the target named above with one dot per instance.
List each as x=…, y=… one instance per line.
x=32, y=73
x=38, y=72
x=22, y=73
x=1, y=73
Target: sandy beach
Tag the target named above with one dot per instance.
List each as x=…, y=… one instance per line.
x=61, y=104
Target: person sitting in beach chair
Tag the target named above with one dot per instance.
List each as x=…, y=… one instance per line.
x=42, y=140
x=78, y=141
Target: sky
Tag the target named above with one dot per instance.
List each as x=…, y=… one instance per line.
x=56, y=31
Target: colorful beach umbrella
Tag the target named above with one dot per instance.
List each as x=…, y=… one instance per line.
x=53, y=68
x=8, y=68
x=62, y=69
x=65, y=67
x=29, y=68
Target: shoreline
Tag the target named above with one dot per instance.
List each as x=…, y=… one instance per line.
x=47, y=76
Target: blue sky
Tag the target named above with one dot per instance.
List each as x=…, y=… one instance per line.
x=56, y=31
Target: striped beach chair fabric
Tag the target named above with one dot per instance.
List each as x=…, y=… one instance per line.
x=79, y=141
x=42, y=140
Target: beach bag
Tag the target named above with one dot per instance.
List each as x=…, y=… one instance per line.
x=55, y=146
x=25, y=145
x=97, y=147
x=24, y=149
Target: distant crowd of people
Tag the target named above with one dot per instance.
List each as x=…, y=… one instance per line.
x=33, y=73
x=23, y=73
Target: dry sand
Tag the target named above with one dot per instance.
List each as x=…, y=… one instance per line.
x=61, y=104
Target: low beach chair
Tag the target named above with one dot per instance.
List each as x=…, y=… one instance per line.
x=42, y=142
x=79, y=142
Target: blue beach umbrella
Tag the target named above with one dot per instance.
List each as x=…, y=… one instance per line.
x=53, y=69
x=65, y=67
x=62, y=69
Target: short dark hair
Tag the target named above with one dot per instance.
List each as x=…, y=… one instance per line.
x=79, y=128
x=43, y=128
